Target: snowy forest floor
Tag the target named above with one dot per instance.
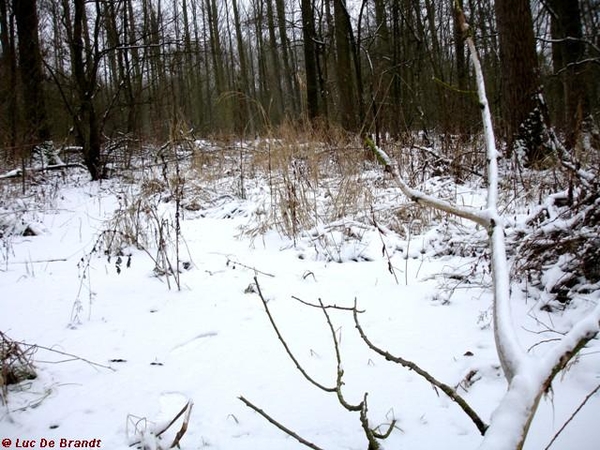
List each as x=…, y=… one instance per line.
x=139, y=296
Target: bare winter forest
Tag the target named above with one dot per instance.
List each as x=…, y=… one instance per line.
x=300, y=223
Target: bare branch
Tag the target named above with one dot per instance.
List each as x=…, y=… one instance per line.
x=449, y=391
x=581, y=405
x=279, y=425
x=284, y=343
x=70, y=355
x=254, y=269
x=340, y=371
x=477, y=216
x=323, y=306
x=184, y=425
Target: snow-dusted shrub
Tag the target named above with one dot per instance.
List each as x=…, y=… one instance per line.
x=559, y=249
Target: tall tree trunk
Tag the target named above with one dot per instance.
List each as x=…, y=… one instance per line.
x=290, y=99
x=346, y=82
x=275, y=61
x=30, y=65
x=8, y=71
x=133, y=77
x=461, y=72
x=525, y=112
x=246, y=112
x=218, y=65
x=568, y=51
x=309, y=36
x=84, y=70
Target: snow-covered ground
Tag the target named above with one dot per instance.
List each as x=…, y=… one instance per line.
x=120, y=354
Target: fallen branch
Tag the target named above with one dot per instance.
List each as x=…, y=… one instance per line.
x=280, y=425
x=38, y=261
x=17, y=173
x=449, y=391
x=254, y=269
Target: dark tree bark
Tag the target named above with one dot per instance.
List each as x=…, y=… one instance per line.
x=278, y=98
x=85, y=69
x=8, y=72
x=567, y=52
x=309, y=35
x=222, y=114
x=525, y=112
x=30, y=65
x=344, y=67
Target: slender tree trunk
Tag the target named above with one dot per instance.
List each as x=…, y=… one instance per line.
x=218, y=66
x=461, y=73
x=309, y=36
x=198, y=62
x=276, y=74
x=132, y=67
x=290, y=99
x=246, y=113
x=568, y=51
x=346, y=82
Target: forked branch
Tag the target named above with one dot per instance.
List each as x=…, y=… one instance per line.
x=371, y=434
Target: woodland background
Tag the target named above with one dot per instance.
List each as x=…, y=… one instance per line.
x=87, y=72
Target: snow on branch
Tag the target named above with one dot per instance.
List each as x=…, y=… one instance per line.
x=417, y=196
x=528, y=377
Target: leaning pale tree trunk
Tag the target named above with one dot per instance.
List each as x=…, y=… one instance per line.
x=528, y=377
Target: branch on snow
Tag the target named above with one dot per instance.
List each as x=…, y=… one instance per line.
x=371, y=434
x=279, y=425
x=16, y=173
x=449, y=391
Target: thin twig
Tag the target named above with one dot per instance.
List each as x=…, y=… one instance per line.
x=177, y=416
x=322, y=306
x=384, y=249
x=39, y=261
x=279, y=425
x=75, y=357
x=254, y=269
x=284, y=343
x=187, y=407
x=340, y=372
x=596, y=389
